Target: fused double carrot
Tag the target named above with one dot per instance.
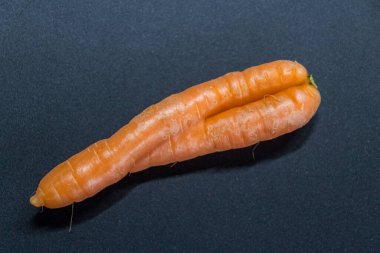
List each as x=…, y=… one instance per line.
x=233, y=111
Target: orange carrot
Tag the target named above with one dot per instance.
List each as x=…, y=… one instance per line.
x=236, y=110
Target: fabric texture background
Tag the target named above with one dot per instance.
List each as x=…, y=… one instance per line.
x=73, y=72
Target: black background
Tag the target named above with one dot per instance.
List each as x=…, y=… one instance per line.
x=73, y=72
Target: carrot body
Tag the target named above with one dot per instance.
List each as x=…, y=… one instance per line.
x=236, y=110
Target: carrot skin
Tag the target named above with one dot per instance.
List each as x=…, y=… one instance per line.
x=225, y=113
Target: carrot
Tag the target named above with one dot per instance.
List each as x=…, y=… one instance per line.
x=236, y=110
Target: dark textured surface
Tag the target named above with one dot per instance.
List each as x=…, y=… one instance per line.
x=73, y=72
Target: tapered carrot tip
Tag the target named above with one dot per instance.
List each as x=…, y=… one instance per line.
x=36, y=200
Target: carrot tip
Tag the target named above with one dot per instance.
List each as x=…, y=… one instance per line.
x=312, y=82
x=36, y=201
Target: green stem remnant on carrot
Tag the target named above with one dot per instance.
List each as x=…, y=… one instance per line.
x=233, y=111
x=312, y=82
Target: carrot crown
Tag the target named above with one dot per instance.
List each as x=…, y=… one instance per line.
x=312, y=82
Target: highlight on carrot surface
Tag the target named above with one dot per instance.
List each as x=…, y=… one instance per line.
x=236, y=110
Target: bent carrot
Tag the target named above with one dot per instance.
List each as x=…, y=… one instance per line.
x=236, y=110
